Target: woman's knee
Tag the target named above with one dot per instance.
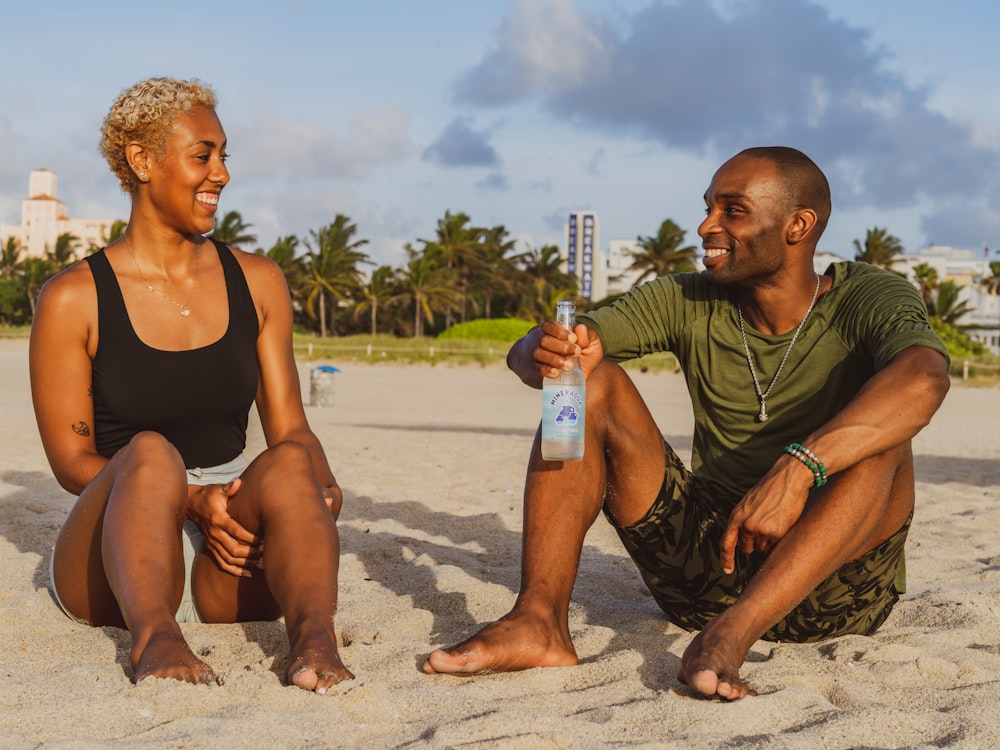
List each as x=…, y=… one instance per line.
x=284, y=462
x=289, y=455
x=150, y=452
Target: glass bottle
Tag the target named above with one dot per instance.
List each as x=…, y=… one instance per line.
x=564, y=403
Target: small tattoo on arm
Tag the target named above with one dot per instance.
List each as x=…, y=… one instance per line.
x=81, y=428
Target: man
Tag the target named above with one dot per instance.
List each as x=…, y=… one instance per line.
x=807, y=391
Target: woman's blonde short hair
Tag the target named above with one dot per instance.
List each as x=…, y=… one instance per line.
x=146, y=113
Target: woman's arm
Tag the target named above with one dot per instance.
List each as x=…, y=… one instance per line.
x=63, y=341
x=279, y=394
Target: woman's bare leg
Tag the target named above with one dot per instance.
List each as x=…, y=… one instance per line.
x=281, y=500
x=118, y=559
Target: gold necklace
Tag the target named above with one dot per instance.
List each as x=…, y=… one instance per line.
x=762, y=416
x=185, y=310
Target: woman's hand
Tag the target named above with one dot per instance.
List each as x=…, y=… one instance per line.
x=234, y=549
x=334, y=498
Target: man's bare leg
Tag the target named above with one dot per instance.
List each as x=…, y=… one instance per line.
x=623, y=460
x=860, y=508
x=281, y=497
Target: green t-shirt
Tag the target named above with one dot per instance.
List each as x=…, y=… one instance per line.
x=867, y=317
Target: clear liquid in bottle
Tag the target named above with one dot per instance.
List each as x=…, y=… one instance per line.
x=564, y=404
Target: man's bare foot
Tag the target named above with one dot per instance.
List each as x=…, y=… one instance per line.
x=313, y=662
x=711, y=666
x=168, y=656
x=507, y=645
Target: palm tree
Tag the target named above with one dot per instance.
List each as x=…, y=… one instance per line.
x=332, y=266
x=947, y=306
x=544, y=283
x=232, y=230
x=10, y=258
x=283, y=252
x=663, y=254
x=880, y=249
x=927, y=281
x=429, y=285
x=65, y=251
x=36, y=272
x=991, y=283
x=458, y=246
x=496, y=271
x=382, y=289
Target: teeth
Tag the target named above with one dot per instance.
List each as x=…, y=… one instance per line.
x=715, y=252
x=210, y=198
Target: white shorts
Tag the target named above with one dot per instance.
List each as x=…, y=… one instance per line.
x=192, y=540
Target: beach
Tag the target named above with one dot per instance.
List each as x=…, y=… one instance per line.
x=431, y=460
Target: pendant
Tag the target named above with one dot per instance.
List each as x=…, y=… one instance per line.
x=185, y=312
x=762, y=417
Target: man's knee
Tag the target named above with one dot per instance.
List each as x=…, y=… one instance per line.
x=610, y=388
x=889, y=473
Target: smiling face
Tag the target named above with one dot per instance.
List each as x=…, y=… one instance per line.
x=185, y=184
x=748, y=217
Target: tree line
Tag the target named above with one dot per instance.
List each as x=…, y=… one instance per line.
x=461, y=272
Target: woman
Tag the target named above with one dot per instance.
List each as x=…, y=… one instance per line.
x=145, y=360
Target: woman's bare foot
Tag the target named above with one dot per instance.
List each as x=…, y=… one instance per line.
x=313, y=662
x=711, y=665
x=507, y=645
x=168, y=656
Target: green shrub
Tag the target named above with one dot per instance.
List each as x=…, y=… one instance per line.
x=959, y=344
x=506, y=330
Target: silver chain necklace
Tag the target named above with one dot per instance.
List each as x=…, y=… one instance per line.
x=185, y=310
x=762, y=397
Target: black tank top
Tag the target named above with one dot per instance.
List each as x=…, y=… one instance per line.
x=198, y=399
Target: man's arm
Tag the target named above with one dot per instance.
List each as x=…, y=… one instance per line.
x=889, y=410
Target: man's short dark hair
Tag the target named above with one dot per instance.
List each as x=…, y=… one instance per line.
x=806, y=185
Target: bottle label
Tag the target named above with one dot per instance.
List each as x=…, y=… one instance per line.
x=563, y=411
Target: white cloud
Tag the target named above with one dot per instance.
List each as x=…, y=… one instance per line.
x=711, y=79
x=310, y=148
x=544, y=46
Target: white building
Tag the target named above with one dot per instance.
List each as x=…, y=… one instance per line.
x=44, y=218
x=966, y=268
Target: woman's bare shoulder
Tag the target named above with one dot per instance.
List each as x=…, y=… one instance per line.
x=263, y=275
x=72, y=286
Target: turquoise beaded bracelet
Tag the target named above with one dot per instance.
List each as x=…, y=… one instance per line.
x=809, y=458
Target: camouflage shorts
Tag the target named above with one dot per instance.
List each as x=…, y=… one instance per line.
x=676, y=548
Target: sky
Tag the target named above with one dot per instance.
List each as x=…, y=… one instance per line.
x=516, y=112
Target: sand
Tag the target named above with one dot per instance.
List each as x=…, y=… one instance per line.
x=432, y=462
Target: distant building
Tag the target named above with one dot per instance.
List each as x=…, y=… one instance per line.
x=966, y=268
x=600, y=274
x=620, y=276
x=44, y=218
x=582, y=254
